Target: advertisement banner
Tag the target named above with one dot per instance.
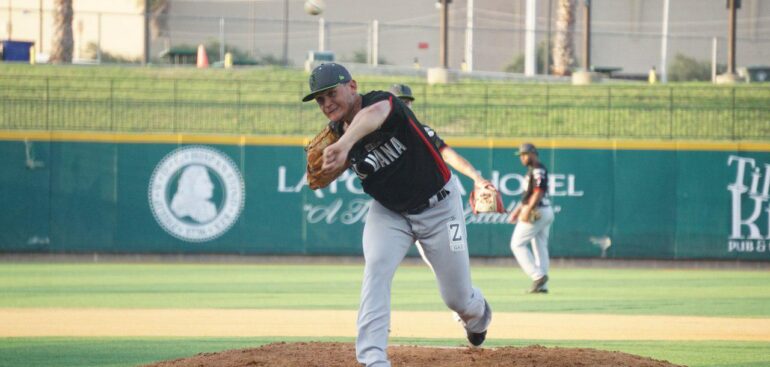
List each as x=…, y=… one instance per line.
x=670, y=202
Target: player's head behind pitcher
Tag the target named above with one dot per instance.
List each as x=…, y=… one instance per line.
x=527, y=154
x=335, y=91
x=404, y=93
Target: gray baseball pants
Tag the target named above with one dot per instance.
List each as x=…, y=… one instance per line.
x=387, y=237
x=533, y=262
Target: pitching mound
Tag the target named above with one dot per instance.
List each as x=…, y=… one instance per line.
x=343, y=355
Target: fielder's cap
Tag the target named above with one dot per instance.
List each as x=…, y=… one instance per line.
x=402, y=91
x=526, y=148
x=325, y=77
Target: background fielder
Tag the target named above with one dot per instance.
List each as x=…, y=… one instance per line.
x=533, y=231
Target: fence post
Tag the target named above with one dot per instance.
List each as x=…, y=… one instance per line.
x=425, y=104
x=47, y=102
x=299, y=106
x=609, y=112
x=733, y=110
x=670, y=112
x=238, y=105
x=547, y=108
x=174, y=107
x=486, y=111
x=112, y=104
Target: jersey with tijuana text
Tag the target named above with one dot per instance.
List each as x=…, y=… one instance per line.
x=399, y=164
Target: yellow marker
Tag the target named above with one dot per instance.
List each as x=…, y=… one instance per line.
x=652, y=78
x=32, y=55
x=228, y=60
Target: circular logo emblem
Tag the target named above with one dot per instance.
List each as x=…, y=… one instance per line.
x=196, y=193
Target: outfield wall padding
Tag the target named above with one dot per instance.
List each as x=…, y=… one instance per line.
x=611, y=201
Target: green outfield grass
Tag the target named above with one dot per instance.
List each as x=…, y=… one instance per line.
x=611, y=291
x=267, y=101
x=724, y=293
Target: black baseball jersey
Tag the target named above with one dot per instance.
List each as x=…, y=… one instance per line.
x=437, y=141
x=399, y=164
x=536, y=179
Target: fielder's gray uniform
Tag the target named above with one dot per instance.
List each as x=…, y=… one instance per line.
x=416, y=198
x=534, y=262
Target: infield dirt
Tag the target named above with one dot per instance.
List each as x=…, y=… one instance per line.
x=343, y=355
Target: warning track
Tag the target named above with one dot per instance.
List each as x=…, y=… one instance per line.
x=94, y=322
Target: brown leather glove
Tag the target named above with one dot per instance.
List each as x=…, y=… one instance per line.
x=534, y=215
x=486, y=200
x=317, y=179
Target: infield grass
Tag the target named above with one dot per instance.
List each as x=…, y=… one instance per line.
x=724, y=293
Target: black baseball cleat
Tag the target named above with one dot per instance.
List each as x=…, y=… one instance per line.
x=538, y=286
x=477, y=339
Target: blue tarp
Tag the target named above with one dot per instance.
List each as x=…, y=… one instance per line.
x=16, y=50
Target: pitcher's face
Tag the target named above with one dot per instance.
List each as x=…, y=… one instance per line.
x=338, y=102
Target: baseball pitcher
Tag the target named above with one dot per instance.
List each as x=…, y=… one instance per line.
x=415, y=198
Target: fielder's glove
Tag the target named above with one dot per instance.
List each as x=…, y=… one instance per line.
x=534, y=215
x=486, y=200
x=317, y=179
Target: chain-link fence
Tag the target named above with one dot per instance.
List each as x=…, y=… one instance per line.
x=484, y=110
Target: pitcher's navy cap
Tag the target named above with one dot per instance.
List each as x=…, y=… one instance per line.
x=402, y=91
x=526, y=148
x=325, y=77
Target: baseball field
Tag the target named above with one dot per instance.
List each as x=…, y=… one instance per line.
x=125, y=312
x=129, y=311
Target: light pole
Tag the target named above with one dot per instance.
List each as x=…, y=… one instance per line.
x=530, y=49
x=285, y=32
x=146, y=58
x=10, y=20
x=729, y=76
x=664, y=44
x=444, y=30
x=469, y=37
x=587, y=35
x=731, y=36
x=40, y=27
x=547, y=62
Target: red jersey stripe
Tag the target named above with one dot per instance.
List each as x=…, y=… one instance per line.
x=439, y=161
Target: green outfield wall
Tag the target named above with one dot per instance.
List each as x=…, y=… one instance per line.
x=184, y=194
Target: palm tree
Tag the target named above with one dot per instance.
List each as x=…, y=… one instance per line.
x=61, y=52
x=563, y=40
x=158, y=10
